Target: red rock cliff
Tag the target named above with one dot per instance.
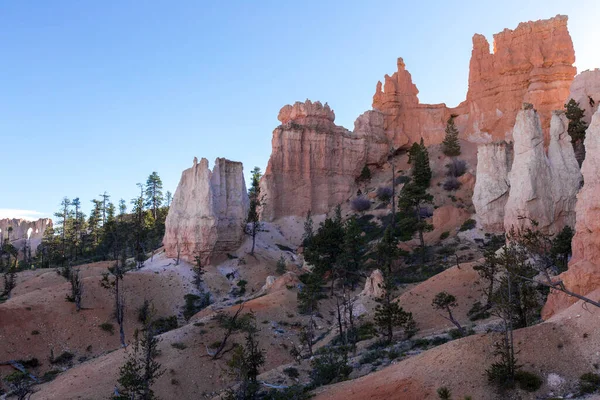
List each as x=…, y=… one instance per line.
x=314, y=163
x=533, y=64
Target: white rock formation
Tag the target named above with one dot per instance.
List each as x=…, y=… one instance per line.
x=207, y=211
x=530, y=195
x=374, y=285
x=490, y=193
x=534, y=186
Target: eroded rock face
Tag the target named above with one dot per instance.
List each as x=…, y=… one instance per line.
x=530, y=195
x=207, y=211
x=583, y=275
x=533, y=63
x=374, y=285
x=314, y=163
x=492, y=186
x=585, y=90
x=21, y=226
x=535, y=186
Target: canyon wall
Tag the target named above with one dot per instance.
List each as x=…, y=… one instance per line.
x=314, y=163
x=21, y=226
x=533, y=63
x=536, y=186
x=583, y=275
x=207, y=212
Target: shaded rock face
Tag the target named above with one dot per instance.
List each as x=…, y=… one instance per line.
x=583, y=275
x=533, y=63
x=585, y=90
x=314, y=163
x=21, y=226
x=492, y=185
x=208, y=211
x=535, y=186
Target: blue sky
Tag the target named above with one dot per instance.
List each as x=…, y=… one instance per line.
x=95, y=96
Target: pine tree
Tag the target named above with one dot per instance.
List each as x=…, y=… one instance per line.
x=253, y=224
x=141, y=370
x=387, y=250
x=154, y=194
x=411, y=201
x=576, y=129
x=389, y=314
x=445, y=302
x=451, y=145
x=245, y=365
x=168, y=198
x=62, y=228
x=418, y=156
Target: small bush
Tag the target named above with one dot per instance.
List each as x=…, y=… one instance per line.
x=444, y=393
x=30, y=363
x=384, y=194
x=373, y=356
x=589, y=383
x=165, y=324
x=402, y=179
x=281, y=267
x=194, y=304
x=330, y=366
x=64, y=358
x=291, y=372
x=468, y=225
x=478, y=311
x=451, y=183
x=456, y=168
x=444, y=235
x=108, y=327
x=35, y=332
x=528, y=381
x=143, y=312
x=178, y=346
x=365, y=174
x=360, y=204
x=50, y=375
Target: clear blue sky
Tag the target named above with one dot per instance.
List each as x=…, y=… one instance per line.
x=95, y=95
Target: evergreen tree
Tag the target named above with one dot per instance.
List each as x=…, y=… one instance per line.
x=139, y=226
x=576, y=129
x=62, y=228
x=104, y=202
x=253, y=224
x=308, y=230
x=387, y=251
x=141, y=370
x=168, y=198
x=411, y=219
x=353, y=253
x=389, y=314
x=245, y=365
x=445, y=302
x=561, y=248
x=451, y=145
x=418, y=156
x=154, y=194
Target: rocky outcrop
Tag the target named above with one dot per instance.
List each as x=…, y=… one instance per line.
x=21, y=226
x=492, y=185
x=533, y=63
x=583, y=275
x=530, y=196
x=585, y=90
x=535, y=186
x=207, y=212
x=374, y=285
x=314, y=163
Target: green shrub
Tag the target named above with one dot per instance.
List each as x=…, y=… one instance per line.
x=444, y=235
x=291, y=372
x=478, y=311
x=50, y=375
x=468, y=225
x=35, y=332
x=589, y=383
x=444, y=393
x=178, y=346
x=164, y=324
x=194, y=304
x=373, y=356
x=528, y=381
x=108, y=327
x=330, y=366
x=64, y=358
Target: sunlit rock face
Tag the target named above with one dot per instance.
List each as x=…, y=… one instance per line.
x=532, y=63
x=585, y=90
x=583, y=275
x=208, y=211
x=314, y=163
x=21, y=226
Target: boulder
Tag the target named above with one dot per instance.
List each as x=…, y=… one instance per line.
x=208, y=210
x=585, y=90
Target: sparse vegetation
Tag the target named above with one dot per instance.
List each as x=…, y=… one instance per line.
x=384, y=194
x=589, y=383
x=451, y=184
x=360, y=203
x=108, y=327
x=468, y=225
